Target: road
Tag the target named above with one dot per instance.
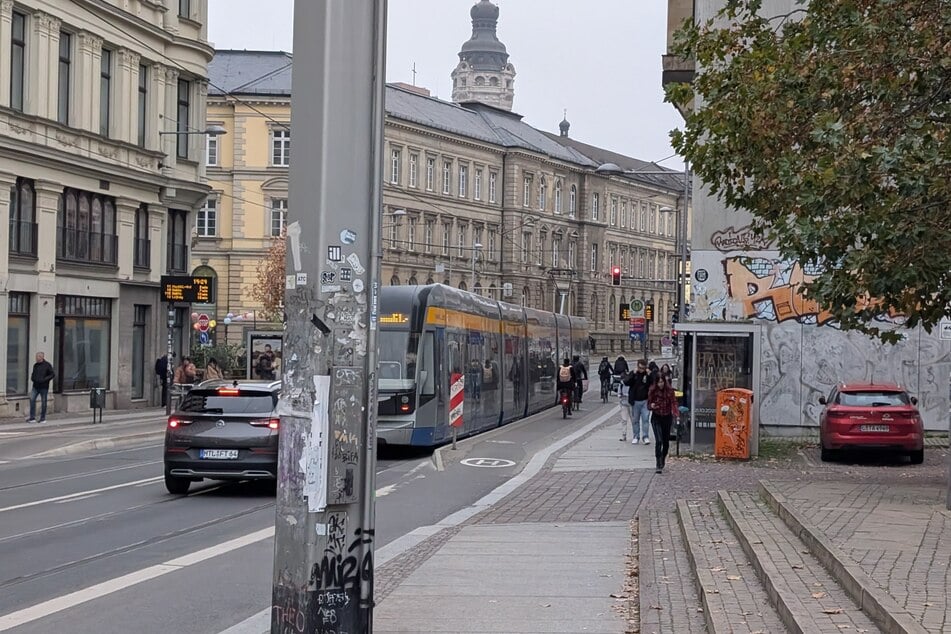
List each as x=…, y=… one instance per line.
x=92, y=543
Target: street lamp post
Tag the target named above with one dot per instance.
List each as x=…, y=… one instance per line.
x=476, y=250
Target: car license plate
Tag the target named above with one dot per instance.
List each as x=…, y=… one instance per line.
x=874, y=428
x=218, y=454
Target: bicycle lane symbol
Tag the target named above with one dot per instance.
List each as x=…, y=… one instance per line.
x=488, y=463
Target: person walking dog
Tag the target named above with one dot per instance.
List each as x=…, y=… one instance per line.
x=41, y=376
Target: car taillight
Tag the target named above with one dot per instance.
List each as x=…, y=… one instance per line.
x=177, y=422
x=228, y=391
x=405, y=407
x=270, y=423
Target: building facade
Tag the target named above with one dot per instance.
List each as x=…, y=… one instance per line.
x=473, y=197
x=101, y=185
x=750, y=328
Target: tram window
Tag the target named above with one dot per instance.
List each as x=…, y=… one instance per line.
x=427, y=373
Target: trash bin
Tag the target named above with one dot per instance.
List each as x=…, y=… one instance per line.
x=734, y=415
x=97, y=398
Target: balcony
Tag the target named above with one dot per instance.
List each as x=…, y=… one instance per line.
x=23, y=236
x=178, y=258
x=73, y=245
x=142, y=253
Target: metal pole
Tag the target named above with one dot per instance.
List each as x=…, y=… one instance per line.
x=681, y=288
x=324, y=528
x=169, y=368
x=472, y=279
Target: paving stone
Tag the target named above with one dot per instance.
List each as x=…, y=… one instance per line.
x=735, y=599
x=668, y=588
x=808, y=593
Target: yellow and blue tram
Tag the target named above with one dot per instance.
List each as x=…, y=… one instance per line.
x=431, y=336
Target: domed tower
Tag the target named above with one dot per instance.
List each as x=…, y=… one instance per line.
x=484, y=73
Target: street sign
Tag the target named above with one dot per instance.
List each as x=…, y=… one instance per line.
x=204, y=338
x=666, y=351
x=637, y=328
x=203, y=321
x=945, y=329
x=456, y=399
x=188, y=289
x=637, y=308
x=625, y=312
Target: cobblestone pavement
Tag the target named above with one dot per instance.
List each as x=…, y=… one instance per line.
x=393, y=572
x=899, y=534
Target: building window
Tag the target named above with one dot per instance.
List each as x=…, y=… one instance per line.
x=184, y=116
x=477, y=185
x=493, y=238
x=526, y=246
x=140, y=321
x=542, y=246
x=446, y=229
x=23, y=229
x=207, y=221
x=281, y=148
x=396, y=159
x=18, y=61
x=177, y=241
x=542, y=193
x=623, y=213
x=81, y=354
x=613, y=211
x=477, y=236
x=413, y=170
x=558, y=207
x=594, y=257
x=446, y=177
x=184, y=8
x=65, y=67
x=142, y=251
x=573, y=201
x=643, y=217
x=572, y=263
x=430, y=229
x=394, y=235
x=18, y=344
x=556, y=252
x=211, y=151
x=463, y=181
x=411, y=234
x=527, y=191
x=105, y=91
x=278, y=216
x=461, y=241
x=144, y=104
x=493, y=177
x=653, y=219
x=86, y=228
x=430, y=173
x=595, y=206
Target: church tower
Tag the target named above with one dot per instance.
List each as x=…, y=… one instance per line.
x=484, y=73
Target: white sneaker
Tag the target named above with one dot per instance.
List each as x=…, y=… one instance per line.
x=634, y=441
x=647, y=441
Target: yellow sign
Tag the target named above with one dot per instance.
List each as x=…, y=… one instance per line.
x=394, y=318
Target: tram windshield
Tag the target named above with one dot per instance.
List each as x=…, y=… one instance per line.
x=397, y=359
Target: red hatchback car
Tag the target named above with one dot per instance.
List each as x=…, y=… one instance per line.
x=871, y=416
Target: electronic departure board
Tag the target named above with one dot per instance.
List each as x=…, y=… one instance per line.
x=188, y=289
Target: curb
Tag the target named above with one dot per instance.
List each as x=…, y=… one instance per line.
x=99, y=443
x=705, y=581
x=648, y=617
x=877, y=605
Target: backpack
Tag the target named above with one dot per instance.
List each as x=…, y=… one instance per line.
x=487, y=375
x=604, y=369
x=564, y=374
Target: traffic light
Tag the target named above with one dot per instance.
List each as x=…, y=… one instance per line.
x=674, y=338
x=616, y=275
x=649, y=311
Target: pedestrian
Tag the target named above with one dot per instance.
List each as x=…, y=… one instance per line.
x=186, y=371
x=640, y=382
x=662, y=403
x=666, y=371
x=625, y=410
x=620, y=365
x=213, y=370
x=161, y=372
x=41, y=377
x=654, y=370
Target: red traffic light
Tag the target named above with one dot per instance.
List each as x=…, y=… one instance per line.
x=616, y=275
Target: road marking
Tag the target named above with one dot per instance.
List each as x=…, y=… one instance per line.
x=80, y=494
x=40, y=610
x=84, y=497
x=488, y=463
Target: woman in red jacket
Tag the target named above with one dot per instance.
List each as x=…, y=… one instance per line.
x=662, y=403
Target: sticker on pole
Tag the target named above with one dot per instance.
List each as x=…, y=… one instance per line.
x=456, y=399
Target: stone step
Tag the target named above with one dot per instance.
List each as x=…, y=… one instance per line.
x=807, y=598
x=669, y=603
x=874, y=601
x=733, y=599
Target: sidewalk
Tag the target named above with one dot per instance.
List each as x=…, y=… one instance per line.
x=551, y=556
x=83, y=418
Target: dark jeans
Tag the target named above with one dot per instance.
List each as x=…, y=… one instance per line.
x=164, y=392
x=661, y=426
x=43, y=392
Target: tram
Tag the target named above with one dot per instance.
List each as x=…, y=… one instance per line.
x=435, y=339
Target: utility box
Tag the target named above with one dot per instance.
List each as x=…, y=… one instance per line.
x=733, y=423
x=97, y=398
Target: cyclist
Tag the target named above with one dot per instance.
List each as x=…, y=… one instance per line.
x=604, y=373
x=566, y=381
x=581, y=375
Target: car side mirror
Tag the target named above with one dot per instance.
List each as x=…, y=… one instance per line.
x=914, y=401
x=822, y=400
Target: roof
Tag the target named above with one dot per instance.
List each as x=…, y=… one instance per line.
x=253, y=73
x=249, y=385
x=870, y=387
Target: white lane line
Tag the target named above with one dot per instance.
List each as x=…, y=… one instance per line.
x=77, y=495
x=84, y=497
x=40, y=610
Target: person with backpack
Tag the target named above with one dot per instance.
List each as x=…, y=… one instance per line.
x=604, y=373
x=566, y=380
x=620, y=366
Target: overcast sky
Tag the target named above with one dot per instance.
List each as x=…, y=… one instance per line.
x=600, y=60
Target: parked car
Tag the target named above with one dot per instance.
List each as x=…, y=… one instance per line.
x=223, y=430
x=860, y=416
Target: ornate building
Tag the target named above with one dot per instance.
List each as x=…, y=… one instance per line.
x=100, y=200
x=484, y=73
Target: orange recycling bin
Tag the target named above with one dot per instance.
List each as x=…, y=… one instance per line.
x=734, y=411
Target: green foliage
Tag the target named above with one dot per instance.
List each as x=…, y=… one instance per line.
x=830, y=125
x=231, y=358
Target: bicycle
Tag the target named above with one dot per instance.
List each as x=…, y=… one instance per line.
x=605, y=389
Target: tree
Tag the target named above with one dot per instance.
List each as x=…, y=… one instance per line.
x=269, y=287
x=830, y=126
